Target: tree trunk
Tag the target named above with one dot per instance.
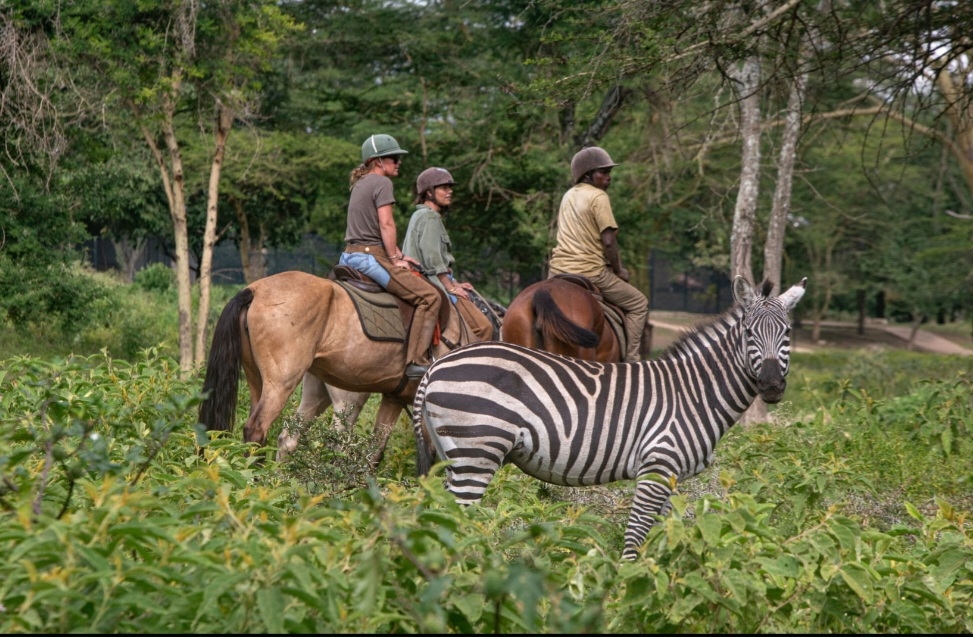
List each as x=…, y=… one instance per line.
x=741, y=236
x=173, y=180
x=253, y=256
x=777, y=224
x=128, y=252
x=224, y=122
x=917, y=318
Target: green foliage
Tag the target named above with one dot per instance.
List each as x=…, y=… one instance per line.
x=157, y=277
x=731, y=571
x=43, y=284
x=938, y=413
x=328, y=459
x=57, y=295
x=118, y=516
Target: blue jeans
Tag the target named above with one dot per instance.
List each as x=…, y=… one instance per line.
x=367, y=265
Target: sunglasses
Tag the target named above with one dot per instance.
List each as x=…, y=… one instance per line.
x=395, y=159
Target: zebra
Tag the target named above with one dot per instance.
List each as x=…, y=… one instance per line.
x=571, y=422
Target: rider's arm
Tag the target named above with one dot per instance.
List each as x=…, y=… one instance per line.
x=386, y=223
x=609, y=243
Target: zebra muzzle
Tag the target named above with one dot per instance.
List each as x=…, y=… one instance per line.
x=771, y=383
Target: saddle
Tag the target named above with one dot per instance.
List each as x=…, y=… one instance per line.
x=384, y=316
x=614, y=314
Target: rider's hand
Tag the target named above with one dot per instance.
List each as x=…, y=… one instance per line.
x=460, y=290
x=408, y=262
x=623, y=274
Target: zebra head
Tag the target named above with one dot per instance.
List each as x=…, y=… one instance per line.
x=766, y=334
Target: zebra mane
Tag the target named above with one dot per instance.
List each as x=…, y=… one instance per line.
x=766, y=288
x=703, y=336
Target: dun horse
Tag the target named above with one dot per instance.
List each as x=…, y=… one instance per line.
x=347, y=405
x=295, y=326
x=562, y=316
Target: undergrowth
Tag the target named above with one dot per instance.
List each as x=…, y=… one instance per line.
x=119, y=514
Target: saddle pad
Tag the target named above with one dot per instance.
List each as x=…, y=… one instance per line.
x=378, y=312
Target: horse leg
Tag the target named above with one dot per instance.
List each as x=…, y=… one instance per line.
x=315, y=398
x=347, y=407
x=265, y=411
x=388, y=414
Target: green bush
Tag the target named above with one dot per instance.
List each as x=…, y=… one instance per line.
x=156, y=277
x=118, y=515
x=56, y=297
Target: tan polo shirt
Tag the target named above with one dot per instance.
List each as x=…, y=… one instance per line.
x=585, y=212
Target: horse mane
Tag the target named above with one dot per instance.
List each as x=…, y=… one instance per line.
x=705, y=333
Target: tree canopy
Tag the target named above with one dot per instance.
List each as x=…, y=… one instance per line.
x=502, y=94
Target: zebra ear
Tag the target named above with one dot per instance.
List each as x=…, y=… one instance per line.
x=743, y=292
x=793, y=295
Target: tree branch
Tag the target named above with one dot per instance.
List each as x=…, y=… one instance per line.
x=606, y=112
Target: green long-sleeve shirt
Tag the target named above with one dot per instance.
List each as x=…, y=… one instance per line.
x=427, y=241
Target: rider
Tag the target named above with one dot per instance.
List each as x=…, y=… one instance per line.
x=372, y=246
x=587, y=243
x=428, y=243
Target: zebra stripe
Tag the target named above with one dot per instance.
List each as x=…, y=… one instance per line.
x=573, y=422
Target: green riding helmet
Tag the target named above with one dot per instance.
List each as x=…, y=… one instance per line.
x=588, y=159
x=432, y=177
x=380, y=146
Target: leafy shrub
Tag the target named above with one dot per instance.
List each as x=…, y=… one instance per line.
x=117, y=515
x=156, y=277
x=938, y=414
x=56, y=296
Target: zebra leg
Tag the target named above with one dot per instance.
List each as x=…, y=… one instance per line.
x=651, y=499
x=468, y=484
x=472, y=470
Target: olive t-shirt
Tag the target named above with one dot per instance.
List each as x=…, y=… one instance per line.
x=584, y=214
x=369, y=193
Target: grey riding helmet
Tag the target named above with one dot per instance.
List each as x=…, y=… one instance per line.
x=380, y=146
x=588, y=159
x=433, y=177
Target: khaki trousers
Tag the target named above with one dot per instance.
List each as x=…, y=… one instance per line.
x=632, y=302
x=479, y=325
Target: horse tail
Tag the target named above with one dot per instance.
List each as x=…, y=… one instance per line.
x=222, y=380
x=552, y=324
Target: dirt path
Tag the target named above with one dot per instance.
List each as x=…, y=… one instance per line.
x=925, y=341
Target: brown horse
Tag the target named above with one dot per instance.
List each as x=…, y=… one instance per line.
x=562, y=316
x=295, y=326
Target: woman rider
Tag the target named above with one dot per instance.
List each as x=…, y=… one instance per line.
x=372, y=245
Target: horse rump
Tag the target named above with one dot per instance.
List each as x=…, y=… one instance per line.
x=551, y=323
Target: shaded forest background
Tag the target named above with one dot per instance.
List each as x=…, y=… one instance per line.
x=826, y=139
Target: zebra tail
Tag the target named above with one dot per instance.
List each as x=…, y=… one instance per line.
x=425, y=451
x=222, y=380
x=554, y=326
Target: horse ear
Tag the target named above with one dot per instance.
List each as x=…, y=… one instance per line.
x=793, y=295
x=743, y=292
